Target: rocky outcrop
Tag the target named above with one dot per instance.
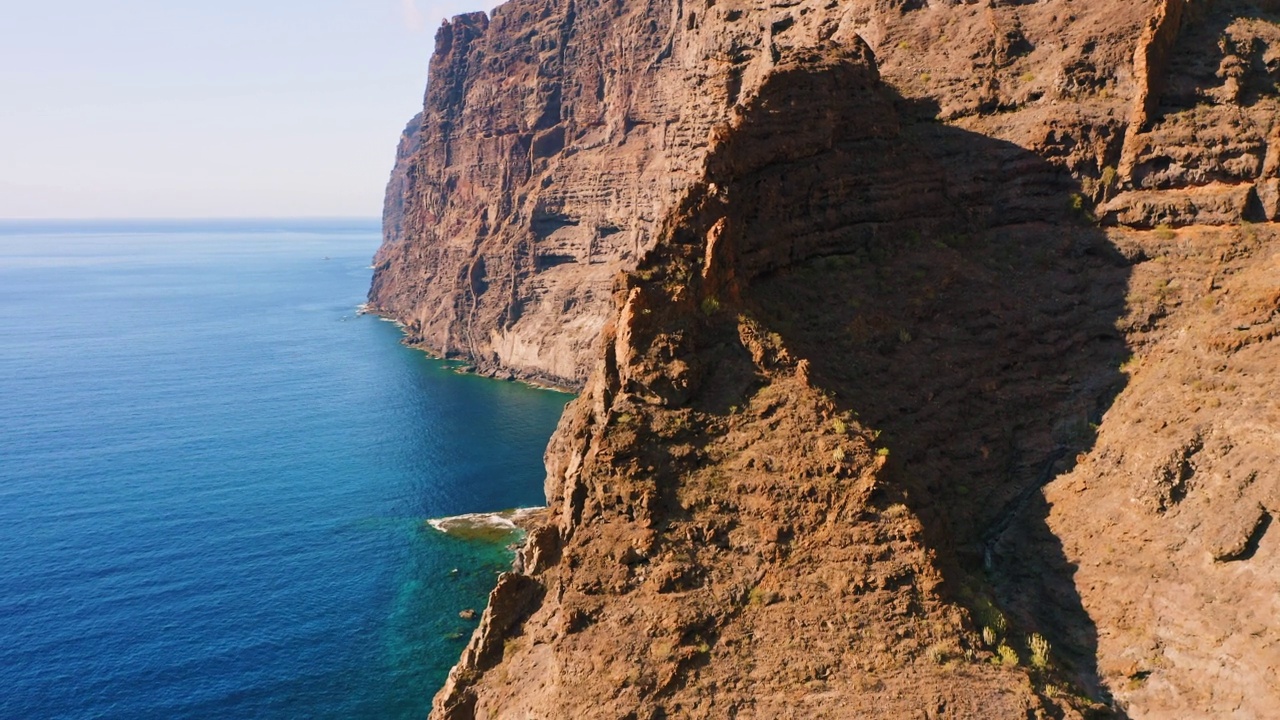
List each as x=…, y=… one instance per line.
x=876, y=420
x=1204, y=120
x=1150, y=69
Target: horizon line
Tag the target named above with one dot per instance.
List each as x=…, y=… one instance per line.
x=161, y=218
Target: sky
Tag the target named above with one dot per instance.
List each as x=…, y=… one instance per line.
x=197, y=109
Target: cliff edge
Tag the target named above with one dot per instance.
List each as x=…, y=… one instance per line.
x=926, y=350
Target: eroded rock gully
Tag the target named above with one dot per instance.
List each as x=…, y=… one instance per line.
x=927, y=352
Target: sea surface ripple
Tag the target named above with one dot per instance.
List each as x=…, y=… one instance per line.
x=215, y=477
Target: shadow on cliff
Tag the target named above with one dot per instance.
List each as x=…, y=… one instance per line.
x=948, y=290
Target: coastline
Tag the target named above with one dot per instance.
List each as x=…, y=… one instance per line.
x=465, y=366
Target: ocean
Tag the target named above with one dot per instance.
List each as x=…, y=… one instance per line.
x=215, y=477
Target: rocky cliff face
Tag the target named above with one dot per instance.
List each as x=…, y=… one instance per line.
x=926, y=348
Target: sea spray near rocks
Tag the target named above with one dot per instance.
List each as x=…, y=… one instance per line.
x=506, y=525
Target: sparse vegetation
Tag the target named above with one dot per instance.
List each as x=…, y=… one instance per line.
x=1007, y=655
x=1040, y=649
x=1161, y=291
x=939, y=654
x=710, y=305
x=985, y=614
x=1080, y=206
x=897, y=510
x=1164, y=232
x=1108, y=176
x=1248, y=231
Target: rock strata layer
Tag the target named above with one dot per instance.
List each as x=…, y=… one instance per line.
x=926, y=350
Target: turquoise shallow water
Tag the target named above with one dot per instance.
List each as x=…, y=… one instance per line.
x=214, y=477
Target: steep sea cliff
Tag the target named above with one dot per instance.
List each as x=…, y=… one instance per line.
x=927, y=351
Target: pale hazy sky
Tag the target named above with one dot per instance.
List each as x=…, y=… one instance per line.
x=226, y=108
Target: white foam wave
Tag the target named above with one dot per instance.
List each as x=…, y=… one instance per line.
x=504, y=520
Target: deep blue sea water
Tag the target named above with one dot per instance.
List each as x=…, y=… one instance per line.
x=214, y=477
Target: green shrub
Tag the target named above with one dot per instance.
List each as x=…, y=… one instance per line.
x=1080, y=206
x=989, y=636
x=760, y=596
x=1039, y=651
x=1008, y=656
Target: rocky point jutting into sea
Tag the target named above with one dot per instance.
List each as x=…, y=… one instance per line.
x=927, y=351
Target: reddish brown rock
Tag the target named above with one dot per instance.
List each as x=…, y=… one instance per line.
x=876, y=421
x=558, y=135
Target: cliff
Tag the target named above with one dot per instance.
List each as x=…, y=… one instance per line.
x=927, y=351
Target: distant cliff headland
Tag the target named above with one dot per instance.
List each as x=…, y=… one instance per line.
x=927, y=351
